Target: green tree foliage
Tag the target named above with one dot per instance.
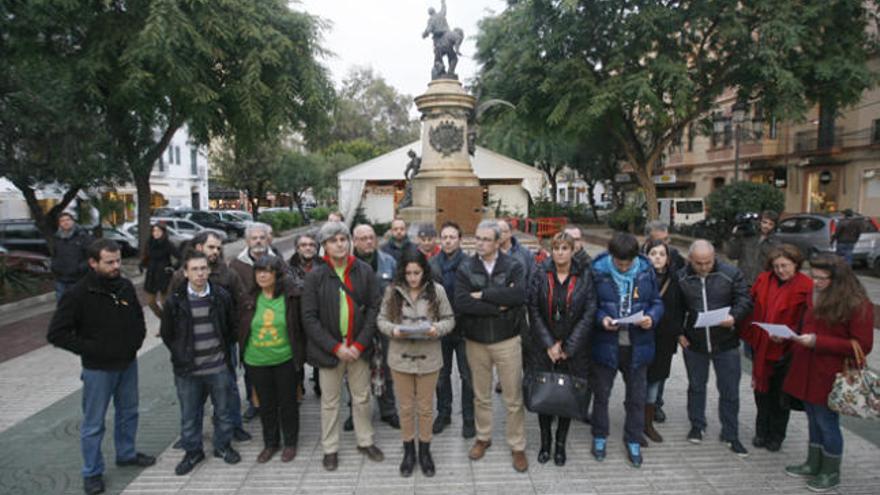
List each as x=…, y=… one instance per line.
x=645, y=69
x=298, y=174
x=251, y=168
x=49, y=136
x=743, y=197
x=368, y=111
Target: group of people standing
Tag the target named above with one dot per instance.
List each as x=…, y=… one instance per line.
x=392, y=321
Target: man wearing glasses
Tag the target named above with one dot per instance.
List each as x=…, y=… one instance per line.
x=490, y=298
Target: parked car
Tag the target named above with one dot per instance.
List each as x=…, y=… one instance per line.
x=811, y=233
x=33, y=263
x=127, y=242
x=212, y=220
x=234, y=214
x=22, y=235
x=186, y=226
x=176, y=238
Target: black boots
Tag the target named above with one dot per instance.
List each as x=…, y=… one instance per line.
x=561, y=434
x=409, y=458
x=545, y=422
x=425, y=460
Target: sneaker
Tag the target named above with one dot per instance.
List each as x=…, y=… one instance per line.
x=737, y=448
x=189, y=462
x=695, y=436
x=228, y=454
x=93, y=485
x=634, y=453
x=598, y=449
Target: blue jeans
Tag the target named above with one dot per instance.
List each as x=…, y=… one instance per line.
x=824, y=427
x=99, y=386
x=654, y=390
x=234, y=399
x=454, y=344
x=61, y=288
x=845, y=251
x=192, y=391
x=727, y=375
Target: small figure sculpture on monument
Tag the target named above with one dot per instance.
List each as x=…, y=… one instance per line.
x=446, y=43
x=412, y=169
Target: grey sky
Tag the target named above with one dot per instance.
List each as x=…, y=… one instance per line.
x=387, y=36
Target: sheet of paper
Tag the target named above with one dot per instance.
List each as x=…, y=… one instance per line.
x=634, y=319
x=416, y=329
x=775, y=330
x=712, y=318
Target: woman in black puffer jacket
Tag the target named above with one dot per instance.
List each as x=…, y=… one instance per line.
x=157, y=261
x=562, y=305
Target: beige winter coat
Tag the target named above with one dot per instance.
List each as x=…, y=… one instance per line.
x=416, y=355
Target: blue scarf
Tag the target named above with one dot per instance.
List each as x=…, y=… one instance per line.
x=625, y=282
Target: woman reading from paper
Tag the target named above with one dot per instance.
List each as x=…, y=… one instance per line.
x=780, y=294
x=415, y=313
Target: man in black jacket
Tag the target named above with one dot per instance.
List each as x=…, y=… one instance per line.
x=70, y=254
x=198, y=327
x=444, y=267
x=340, y=303
x=708, y=284
x=399, y=241
x=101, y=320
x=490, y=296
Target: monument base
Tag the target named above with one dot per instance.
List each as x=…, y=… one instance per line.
x=417, y=214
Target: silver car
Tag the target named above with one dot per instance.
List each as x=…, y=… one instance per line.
x=174, y=236
x=811, y=233
x=185, y=226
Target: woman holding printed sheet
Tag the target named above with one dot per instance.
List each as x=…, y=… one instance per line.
x=780, y=294
x=415, y=313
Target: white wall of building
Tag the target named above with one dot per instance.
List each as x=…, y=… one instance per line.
x=182, y=173
x=514, y=199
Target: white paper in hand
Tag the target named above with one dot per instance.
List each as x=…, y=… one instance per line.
x=712, y=318
x=634, y=319
x=781, y=331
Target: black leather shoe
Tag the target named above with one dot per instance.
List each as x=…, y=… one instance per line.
x=773, y=445
x=139, y=460
x=228, y=454
x=393, y=421
x=469, y=430
x=409, y=459
x=239, y=435
x=759, y=442
x=426, y=462
x=659, y=415
x=93, y=485
x=373, y=453
x=190, y=460
x=349, y=424
x=440, y=424
x=330, y=462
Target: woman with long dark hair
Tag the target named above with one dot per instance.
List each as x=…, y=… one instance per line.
x=415, y=313
x=667, y=331
x=562, y=305
x=841, y=316
x=273, y=344
x=781, y=294
x=157, y=261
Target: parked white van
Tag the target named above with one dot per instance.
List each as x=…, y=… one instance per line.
x=681, y=211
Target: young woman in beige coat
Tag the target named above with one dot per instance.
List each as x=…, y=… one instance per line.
x=415, y=313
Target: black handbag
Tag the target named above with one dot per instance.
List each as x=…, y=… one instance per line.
x=555, y=393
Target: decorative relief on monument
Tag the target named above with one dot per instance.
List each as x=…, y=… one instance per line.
x=447, y=138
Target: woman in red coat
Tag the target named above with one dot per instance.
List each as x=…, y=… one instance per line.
x=781, y=294
x=840, y=313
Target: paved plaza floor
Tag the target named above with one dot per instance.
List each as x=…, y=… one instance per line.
x=40, y=395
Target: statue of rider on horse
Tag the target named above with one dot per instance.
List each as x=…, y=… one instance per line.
x=446, y=43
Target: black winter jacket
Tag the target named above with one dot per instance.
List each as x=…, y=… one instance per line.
x=320, y=311
x=177, y=326
x=70, y=261
x=482, y=320
x=579, y=314
x=723, y=286
x=100, y=320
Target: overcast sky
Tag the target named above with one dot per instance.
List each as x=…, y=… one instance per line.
x=387, y=36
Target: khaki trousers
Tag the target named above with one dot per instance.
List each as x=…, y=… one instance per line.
x=506, y=356
x=331, y=391
x=415, y=397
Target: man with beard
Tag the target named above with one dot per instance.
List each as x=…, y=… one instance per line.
x=301, y=263
x=101, y=320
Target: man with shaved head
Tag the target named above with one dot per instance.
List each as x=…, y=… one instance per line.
x=708, y=284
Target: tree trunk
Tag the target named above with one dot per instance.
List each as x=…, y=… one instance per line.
x=254, y=201
x=297, y=198
x=142, y=184
x=591, y=189
x=646, y=181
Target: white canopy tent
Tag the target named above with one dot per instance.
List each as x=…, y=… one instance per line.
x=488, y=165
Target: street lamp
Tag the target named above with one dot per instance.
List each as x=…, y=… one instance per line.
x=739, y=116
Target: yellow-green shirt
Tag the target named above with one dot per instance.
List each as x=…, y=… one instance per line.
x=268, y=344
x=343, y=302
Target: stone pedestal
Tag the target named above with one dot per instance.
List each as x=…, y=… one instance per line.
x=445, y=109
